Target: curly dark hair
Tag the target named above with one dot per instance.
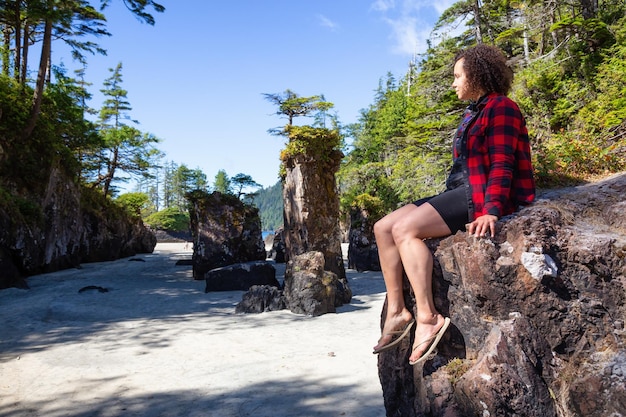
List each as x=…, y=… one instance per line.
x=486, y=69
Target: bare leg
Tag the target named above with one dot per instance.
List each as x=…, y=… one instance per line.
x=399, y=237
x=391, y=266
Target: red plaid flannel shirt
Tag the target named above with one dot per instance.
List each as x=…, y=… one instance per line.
x=496, y=159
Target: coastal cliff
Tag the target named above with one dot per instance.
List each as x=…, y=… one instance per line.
x=62, y=227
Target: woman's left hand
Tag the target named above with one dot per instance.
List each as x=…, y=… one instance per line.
x=482, y=225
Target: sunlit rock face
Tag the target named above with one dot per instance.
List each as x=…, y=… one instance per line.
x=537, y=315
x=312, y=236
x=225, y=231
x=312, y=211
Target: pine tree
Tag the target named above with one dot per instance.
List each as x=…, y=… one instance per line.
x=222, y=182
x=125, y=148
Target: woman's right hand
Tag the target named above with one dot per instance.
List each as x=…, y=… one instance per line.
x=482, y=225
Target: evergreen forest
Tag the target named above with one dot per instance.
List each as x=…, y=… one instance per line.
x=569, y=59
x=270, y=203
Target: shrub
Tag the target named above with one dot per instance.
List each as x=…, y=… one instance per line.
x=171, y=219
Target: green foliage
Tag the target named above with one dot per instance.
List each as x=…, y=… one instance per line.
x=171, y=219
x=93, y=201
x=312, y=143
x=456, y=368
x=402, y=146
x=373, y=206
x=608, y=109
x=27, y=163
x=546, y=94
x=134, y=203
x=370, y=179
x=138, y=8
x=577, y=118
x=21, y=210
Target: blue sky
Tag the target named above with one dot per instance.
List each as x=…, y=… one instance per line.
x=196, y=78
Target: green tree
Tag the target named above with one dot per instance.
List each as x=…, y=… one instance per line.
x=25, y=22
x=134, y=203
x=291, y=105
x=168, y=184
x=186, y=180
x=116, y=105
x=125, y=148
x=79, y=135
x=222, y=182
x=171, y=218
x=197, y=180
x=242, y=181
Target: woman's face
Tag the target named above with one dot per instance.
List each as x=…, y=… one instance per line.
x=461, y=82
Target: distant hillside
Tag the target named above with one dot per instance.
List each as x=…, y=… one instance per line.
x=270, y=203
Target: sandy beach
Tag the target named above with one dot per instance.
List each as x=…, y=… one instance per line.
x=156, y=345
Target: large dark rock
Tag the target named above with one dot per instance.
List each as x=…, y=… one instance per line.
x=537, y=316
x=169, y=236
x=277, y=253
x=241, y=276
x=362, y=249
x=309, y=289
x=225, y=231
x=261, y=298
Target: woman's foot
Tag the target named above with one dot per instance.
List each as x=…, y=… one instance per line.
x=427, y=335
x=397, y=326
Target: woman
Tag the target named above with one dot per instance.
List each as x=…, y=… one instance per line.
x=491, y=176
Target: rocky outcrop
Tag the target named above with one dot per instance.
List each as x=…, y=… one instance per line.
x=62, y=228
x=315, y=279
x=537, y=316
x=277, y=251
x=311, y=205
x=311, y=290
x=241, y=276
x=362, y=249
x=261, y=298
x=169, y=236
x=225, y=231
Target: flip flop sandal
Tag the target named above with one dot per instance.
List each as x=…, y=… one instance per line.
x=437, y=337
x=400, y=334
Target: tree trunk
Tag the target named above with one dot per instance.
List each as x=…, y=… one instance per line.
x=18, y=43
x=6, y=56
x=26, y=44
x=479, y=35
x=41, y=78
x=111, y=172
x=526, y=47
